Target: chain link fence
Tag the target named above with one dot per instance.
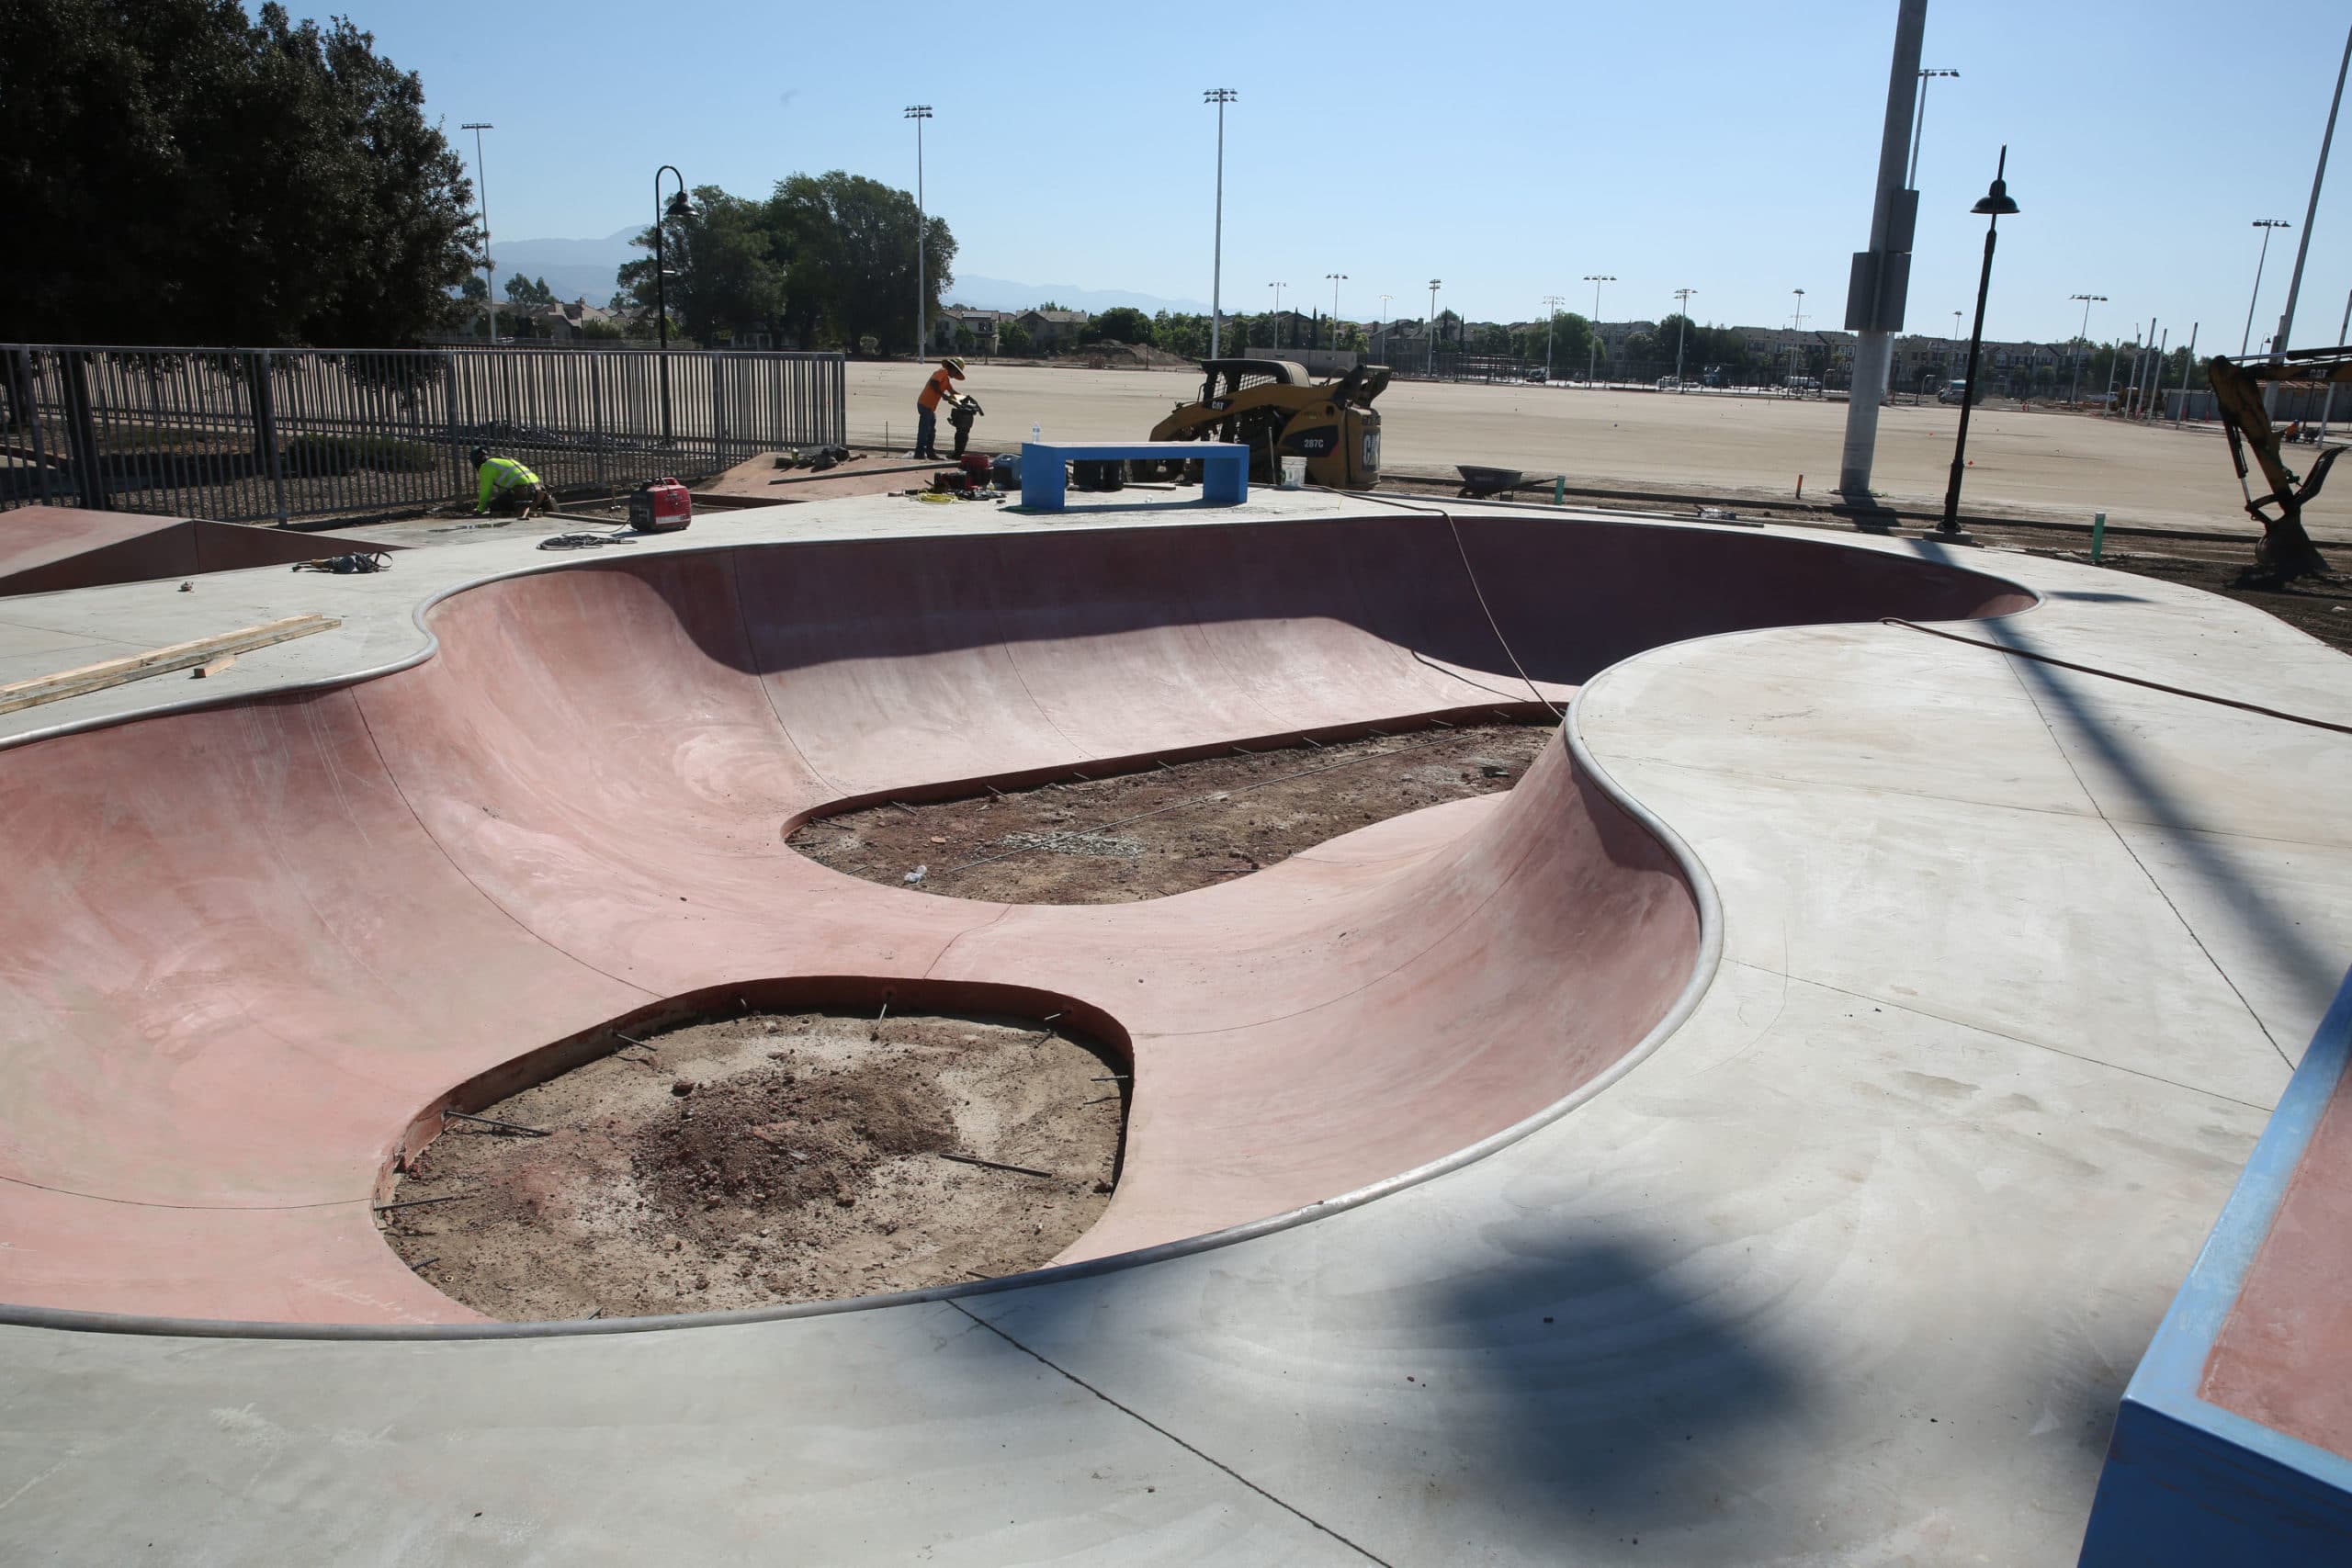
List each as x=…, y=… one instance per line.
x=250, y=436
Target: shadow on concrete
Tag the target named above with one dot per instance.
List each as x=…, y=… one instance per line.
x=1584, y=1382
x=2087, y=597
x=1612, y=1395
x=2312, y=969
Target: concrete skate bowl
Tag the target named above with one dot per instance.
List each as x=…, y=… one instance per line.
x=254, y=947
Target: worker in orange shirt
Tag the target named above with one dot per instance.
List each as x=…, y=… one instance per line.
x=941, y=385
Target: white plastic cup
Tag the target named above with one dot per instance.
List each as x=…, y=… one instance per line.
x=1294, y=473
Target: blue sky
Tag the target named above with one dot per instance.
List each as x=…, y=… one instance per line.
x=1508, y=149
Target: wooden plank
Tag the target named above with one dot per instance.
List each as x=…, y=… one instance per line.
x=157, y=661
x=214, y=666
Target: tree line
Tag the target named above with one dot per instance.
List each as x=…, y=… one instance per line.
x=825, y=261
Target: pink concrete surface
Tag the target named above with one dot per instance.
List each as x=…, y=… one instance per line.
x=45, y=550
x=246, y=947
x=2284, y=1354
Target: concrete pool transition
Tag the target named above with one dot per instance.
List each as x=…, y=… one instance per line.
x=1790, y=1109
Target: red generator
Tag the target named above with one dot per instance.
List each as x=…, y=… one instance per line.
x=660, y=506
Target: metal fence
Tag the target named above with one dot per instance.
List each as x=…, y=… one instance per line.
x=260, y=435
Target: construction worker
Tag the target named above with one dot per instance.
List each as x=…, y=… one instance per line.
x=507, y=485
x=941, y=385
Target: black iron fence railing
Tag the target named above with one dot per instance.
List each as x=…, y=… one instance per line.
x=283, y=435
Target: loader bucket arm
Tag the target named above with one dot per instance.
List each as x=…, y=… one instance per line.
x=2287, y=549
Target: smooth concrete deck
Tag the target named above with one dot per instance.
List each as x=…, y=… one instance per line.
x=1851, y=1268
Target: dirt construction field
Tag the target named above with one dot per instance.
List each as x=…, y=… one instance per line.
x=2054, y=466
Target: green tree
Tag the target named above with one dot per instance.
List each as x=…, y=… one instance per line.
x=723, y=275
x=528, y=292
x=847, y=244
x=1014, y=338
x=1123, y=323
x=226, y=180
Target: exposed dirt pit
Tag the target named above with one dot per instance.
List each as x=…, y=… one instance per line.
x=1175, y=826
x=770, y=1157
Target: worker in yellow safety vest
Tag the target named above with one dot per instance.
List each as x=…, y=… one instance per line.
x=507, y=485
x=941, y=385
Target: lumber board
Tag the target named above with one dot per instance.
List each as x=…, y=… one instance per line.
x=157, y=661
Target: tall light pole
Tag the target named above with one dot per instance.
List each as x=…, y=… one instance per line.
x=1435, y=284
x=1335, y=278
x=1878, y=285
x=1995, y=205
x=2266, y=225
x=1383, y=326
x=1921, y=123
x=679, y=207
x=918, y=113
x=2311, y=213
x=1592, y=338
x=2081, y=338
x=1221, y=97
x=1551, y=303
x=482, y=188
x=1277, y=333
x=1799, y=325
x=1682, y=297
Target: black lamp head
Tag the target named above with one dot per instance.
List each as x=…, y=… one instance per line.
x=1995, y=202
x=681, y=208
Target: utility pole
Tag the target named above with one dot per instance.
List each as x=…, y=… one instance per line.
x=2187, y=373
x=2155, y=378
x=1384, y=327
x=2140, y=367
x=1798, y=323
x=1276, y=334
x=1682, y=299
x=1880, y=281
x=2266, y=225
x=1221, y=97
x=2114, y=359
x=2311, y=213
x=1919, y=125
x=2081, y=338
x=482, y=188
x=1551, y=303
x=2327, y=407
x=1434, y=285
x=918, y=113
x=1592, y=337
x=1335, y=279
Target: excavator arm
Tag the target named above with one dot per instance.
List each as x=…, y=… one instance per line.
x=2285, y=549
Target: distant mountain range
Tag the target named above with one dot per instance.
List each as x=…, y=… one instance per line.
x=1002, y=294
x=582, y=269
x=574, y=269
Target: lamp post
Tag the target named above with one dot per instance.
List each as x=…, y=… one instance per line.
x=1799, y=323
x=1592, y=338
x=2081, y=338
x=918, y=113
x=1682, y=299
x=482, y=188
x=1434, y=285
x=679, y=207
x=1277, y=331
x=1920, y=124
x=1221, y=97
x=1551, y=303
x=1335, y=278
x=2266, y=225
x=1383, y=335
x=1994, y=204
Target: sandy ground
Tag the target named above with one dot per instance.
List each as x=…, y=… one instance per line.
x=2052, y=465
x=1173, y=828
x=770, y=1157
